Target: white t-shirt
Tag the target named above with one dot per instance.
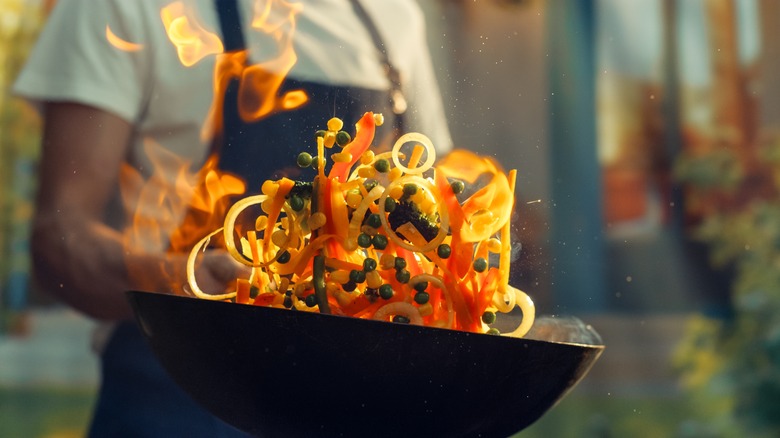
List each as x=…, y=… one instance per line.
x=168, y=102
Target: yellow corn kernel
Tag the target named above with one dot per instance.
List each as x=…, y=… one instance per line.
x=494, y=245
x=335, y=124
x=353, y=198
x=279, y=237
x=394, y=174
x=397, y=191
x=330, y=139
x=419, y=197
x=341, y=157
x=373, y=279
x=317, y=220
x=331, y=287
x=270, y=188
x=387, y=261
x=366, y=172
x=266, y=205
x=379, y=119
x=425, y=309
x=261, y=222
x=367, y=157
x=341, y=276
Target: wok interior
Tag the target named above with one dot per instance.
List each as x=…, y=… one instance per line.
x=277, y=372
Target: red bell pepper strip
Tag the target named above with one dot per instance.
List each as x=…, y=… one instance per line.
x=364, y=135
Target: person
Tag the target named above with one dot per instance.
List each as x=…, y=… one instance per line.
x=100, y=106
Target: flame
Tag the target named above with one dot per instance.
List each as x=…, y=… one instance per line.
x=171, y=209
x=192, y=41
x=259, y=84
x=175, y=206
x=121, y=44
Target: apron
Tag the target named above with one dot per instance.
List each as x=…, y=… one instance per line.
x=137, y=398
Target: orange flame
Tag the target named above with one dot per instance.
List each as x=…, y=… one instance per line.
x=193, y=42
x=175, y=206
x=170, y=210
x=258, y=94
x=121, y=44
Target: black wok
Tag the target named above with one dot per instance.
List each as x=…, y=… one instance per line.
x=281, y=373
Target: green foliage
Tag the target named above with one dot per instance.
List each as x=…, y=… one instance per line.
x=732, y=367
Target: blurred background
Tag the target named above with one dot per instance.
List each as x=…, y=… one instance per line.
x=645, y=137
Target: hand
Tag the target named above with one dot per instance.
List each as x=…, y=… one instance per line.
x=217, y=270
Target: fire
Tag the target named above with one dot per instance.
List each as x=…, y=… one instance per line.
x=173, y=208
x=169, y=210
x=121, y=44
x=259, y=84
x=192, y=41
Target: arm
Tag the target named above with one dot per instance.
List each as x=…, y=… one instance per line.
x=76, y=256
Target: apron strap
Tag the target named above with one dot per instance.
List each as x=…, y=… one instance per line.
x=230, y=24
x=397, y=99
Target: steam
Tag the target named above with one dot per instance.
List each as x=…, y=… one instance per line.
x=568, y=329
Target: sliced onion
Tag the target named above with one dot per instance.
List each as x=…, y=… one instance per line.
x=421, y=139
x=528, y=310
x=195, y=289
x=229, y=228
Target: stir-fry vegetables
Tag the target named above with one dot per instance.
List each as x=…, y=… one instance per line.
x=386, y=236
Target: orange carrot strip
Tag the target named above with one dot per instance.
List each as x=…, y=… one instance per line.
x=242, y=291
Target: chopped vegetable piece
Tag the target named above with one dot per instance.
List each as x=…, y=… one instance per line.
x=382, y=235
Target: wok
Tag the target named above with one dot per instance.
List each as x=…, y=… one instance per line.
x=281, y=373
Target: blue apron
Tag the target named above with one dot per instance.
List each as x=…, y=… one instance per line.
x=137, y=398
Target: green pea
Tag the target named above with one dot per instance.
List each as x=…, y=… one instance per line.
x=349, y=286
x=399, y=263
x=343, y=138
x=287, y=302
x=421, y=297
x=369, y=265
x=386, y=291
x=284, y=257
x=382, y=165
x=379, y=241
x=421, y=286
x=410, y=189
x=296, y=203
x=494, y=332
x=311, y=300
x=480, y=264
x=320, y=133
x=254, y=291
x=390, y=204
x=444, y=251
x=401, y=319
x=489, y=317
x=364, y=240
x=304, y=159
x=403, y=276
x=357, y=276
x=458, y=187
x=370, y=184
x=374, y=220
